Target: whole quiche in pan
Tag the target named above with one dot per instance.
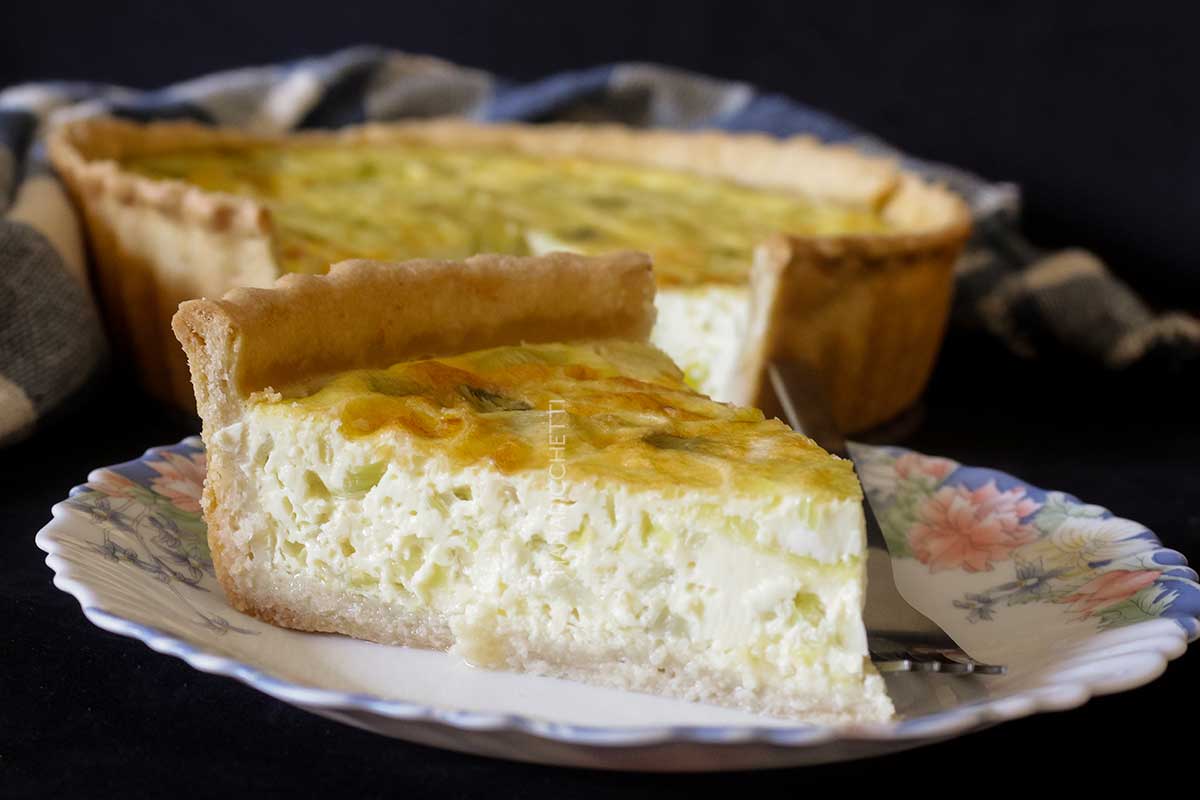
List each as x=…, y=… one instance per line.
x=763, y=248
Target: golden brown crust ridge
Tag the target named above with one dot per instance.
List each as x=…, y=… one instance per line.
x=87, y=152
x=159, y=242
x=868, y=314
x=365, y=313
x=801, y=164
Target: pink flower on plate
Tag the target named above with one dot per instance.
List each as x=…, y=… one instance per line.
x=113, y=484
x=1109, y=589
x=914, y=465
x=960, y=528
x=180, y=479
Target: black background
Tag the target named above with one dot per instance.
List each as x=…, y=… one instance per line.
x=1091, y=107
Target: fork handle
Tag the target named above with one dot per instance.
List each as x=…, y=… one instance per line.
x=919, y=643
x=805, y=403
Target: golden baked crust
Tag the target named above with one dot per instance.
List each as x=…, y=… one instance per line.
x=159, y=242
x=874, y=311
x=369, y=314
x=87, y=152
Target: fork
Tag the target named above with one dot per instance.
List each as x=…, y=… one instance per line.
x=899, y=638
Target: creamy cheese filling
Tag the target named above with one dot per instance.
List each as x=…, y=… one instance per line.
x=569, y=509
x=702, y=329
x=764, y=587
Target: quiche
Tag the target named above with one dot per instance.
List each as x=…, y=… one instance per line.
x=177, y=210
x=489, y=457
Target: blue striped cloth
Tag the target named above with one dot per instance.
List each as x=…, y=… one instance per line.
x=51, y=337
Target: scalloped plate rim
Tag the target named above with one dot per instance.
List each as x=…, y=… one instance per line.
x=937, y=726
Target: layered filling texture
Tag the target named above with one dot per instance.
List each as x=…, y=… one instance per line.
x=565, y=505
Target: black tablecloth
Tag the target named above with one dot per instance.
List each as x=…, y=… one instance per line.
x=86, y=713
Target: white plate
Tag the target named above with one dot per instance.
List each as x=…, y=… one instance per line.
x=1075, y=601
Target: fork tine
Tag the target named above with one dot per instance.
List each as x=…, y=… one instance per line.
x=943, y=660
x=893, y=664
x=989, y=669
x=954, y=661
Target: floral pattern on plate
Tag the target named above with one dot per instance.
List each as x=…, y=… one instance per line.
x=148, y=515
x=1042, y=547
x=1076, y=601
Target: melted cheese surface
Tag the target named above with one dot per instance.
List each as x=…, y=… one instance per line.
x=392, y=201
x=607, y=410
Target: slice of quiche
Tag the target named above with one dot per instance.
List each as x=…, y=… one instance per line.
x=488, y=457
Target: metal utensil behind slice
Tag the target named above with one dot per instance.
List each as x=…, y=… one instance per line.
x=900, y=638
